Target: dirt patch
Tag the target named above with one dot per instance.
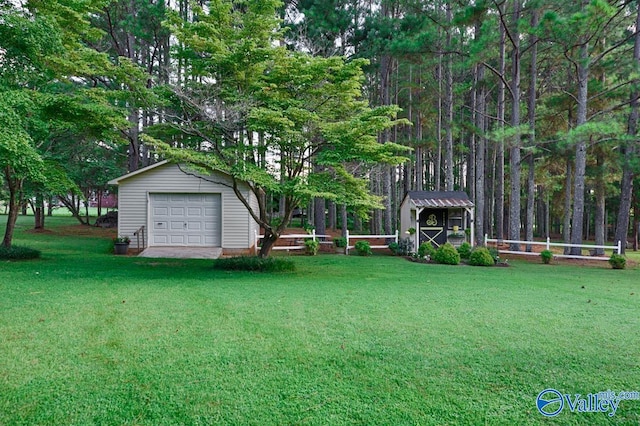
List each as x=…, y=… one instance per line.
x=77, y=231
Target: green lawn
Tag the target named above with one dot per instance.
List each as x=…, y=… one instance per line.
x=91, y=338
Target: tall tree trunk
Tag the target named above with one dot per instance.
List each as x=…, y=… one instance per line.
x=531, y=113
x=629, y=153
x=566, y=227
x=581, y=149
x=344, y=219
x=15, y=187
x=499, y=175
x=38, y=211
x=448, y=105
x=514, y=152
x=600, y=193
x=480, y=178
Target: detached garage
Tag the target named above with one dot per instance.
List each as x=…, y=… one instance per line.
x=180, y=208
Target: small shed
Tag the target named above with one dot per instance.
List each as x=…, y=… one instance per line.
x=437, y=217
x=180, y=208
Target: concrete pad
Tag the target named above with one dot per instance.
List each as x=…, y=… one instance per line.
x=182, y=252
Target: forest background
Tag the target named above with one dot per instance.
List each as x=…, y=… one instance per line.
x=530, y=107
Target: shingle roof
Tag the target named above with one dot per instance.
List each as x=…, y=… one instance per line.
x=442, y=199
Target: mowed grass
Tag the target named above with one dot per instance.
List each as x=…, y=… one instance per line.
x=87, y=337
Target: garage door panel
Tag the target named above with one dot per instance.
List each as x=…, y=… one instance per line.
x=160, y=211
x=195, y=212
x=177, y=225
x=186, y=219
x=160, y=240
x=194, y=226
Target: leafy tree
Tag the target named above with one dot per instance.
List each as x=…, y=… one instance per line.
x=251, y=99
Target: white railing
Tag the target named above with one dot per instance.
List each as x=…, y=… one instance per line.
x=297, y=243
x=369, y=237
x=548, y=244
x=298, y=240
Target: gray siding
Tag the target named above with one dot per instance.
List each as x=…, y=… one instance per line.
x=133, y=202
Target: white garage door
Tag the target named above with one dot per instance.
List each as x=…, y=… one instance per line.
x=186, y=220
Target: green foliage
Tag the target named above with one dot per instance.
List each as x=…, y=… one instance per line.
x=447, y=254
x=340, y=242
x=255, y=264
x=394, y=248
x=494, y=254
x=18, y=253
x=363, y=248
x=480, y=256
x=312, y=247
x=617, y=261
x=402, y=248
x=546, y=256
x=465, y=250
x=426, y=249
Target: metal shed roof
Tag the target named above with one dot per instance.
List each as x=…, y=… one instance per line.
x=440, y=199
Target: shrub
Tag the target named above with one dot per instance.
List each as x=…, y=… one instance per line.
x=340, y=242
x=447, y=254
x=363, y=248
x=480, y=256
x=617, y=261
x=494, y=254
x=395, y=248
x=255, y=264
x=426, y=249
x=546, y=256
x=405, y=246
x=312, y=247
x=465, y=250
x=18, y=253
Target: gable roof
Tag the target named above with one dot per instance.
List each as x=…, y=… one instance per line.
x=117, y=180
x=439, y=199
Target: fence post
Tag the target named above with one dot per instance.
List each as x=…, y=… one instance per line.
x=397, y=235
x=313, y=234
x=346, y=251
x=486, y=238
x=619, y=246
x=548, y=243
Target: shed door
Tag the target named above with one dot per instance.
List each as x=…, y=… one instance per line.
x=433, y=227
x=186, y=220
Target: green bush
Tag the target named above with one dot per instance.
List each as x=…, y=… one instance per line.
x=447, y=254
x=465, y=250
x=617, y=261
x=546, y=256
x=402, y=248
x=18, y=253
x=340, y=242
x=426, y=249
x=312, y=247
x=395, y=248
x=480, y=256
x=494, y=254
x=363, y=248
x=255, y=264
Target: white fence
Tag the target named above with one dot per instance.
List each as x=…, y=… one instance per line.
x=298, y=240
x=370, y=237
x=548, y=244
x=296, y=244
